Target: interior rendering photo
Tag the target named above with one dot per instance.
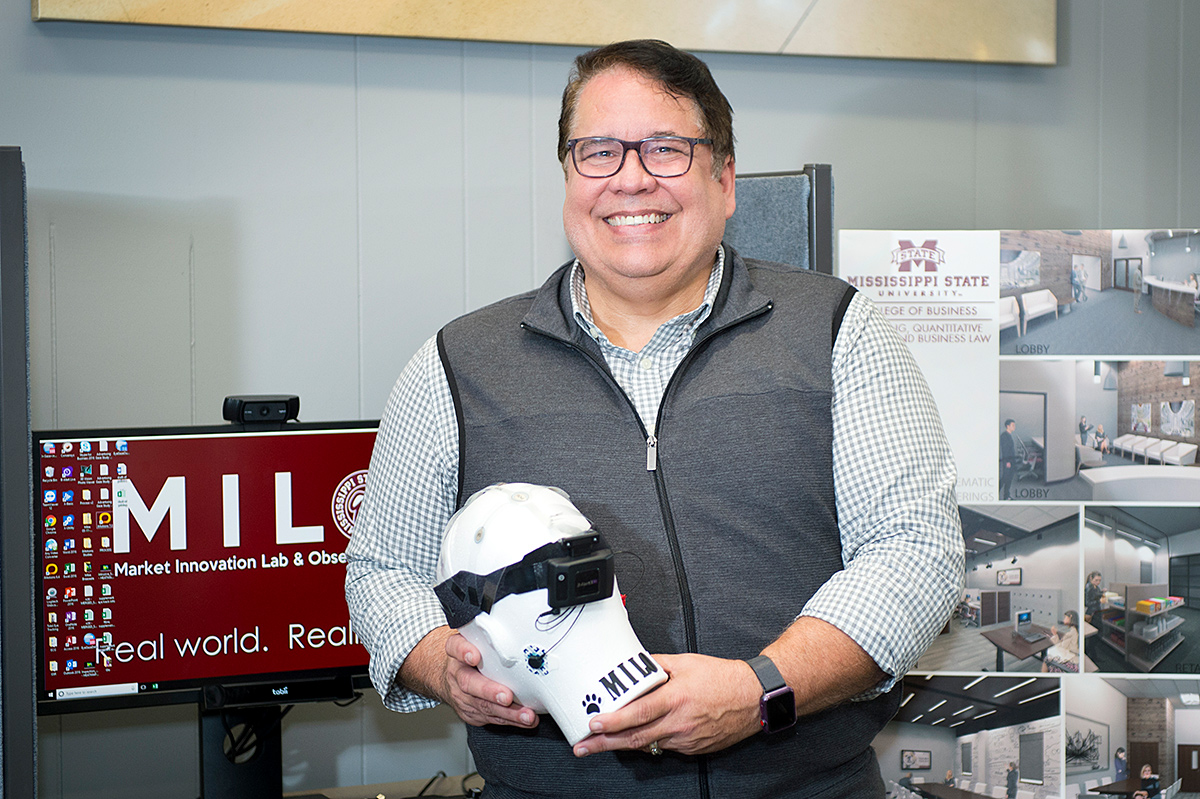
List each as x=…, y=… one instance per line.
x=1098, y=430
x=1020, y=588
x=1099, y=292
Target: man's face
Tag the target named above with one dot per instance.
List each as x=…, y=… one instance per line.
x=633, y=232
x=1011, y=426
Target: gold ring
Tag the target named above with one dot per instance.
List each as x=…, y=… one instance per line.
x=655, y=749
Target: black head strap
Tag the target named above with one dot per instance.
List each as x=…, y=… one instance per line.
x=467, y=594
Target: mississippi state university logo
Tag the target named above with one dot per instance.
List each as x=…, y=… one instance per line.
x=911, y=258
x=347, y=499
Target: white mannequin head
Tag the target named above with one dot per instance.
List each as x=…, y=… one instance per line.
x=573, y=662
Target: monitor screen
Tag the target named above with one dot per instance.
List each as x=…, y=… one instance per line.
x=172, y=561
x=1024, y=620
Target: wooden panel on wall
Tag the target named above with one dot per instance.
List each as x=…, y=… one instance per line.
x=1143, y=381
x=998, y=31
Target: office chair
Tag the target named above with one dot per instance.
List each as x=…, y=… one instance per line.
x=786, y=217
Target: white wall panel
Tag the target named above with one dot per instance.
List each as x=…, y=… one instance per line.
x=411, y=196
x=1139, y=116
x=1037, y=151
x=900, y=139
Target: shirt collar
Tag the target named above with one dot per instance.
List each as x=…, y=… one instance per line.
x=582, y=309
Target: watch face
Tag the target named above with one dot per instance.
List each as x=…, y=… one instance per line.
x=778, y=709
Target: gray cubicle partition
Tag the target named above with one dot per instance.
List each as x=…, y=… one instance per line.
x=786, y=217
x=18, y=733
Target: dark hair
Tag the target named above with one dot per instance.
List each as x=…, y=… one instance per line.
x=1007, y=422
x=1072, y=618
x=680, y=74
x=1093, y=574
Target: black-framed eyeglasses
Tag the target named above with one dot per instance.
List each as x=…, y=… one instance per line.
x=661, y=156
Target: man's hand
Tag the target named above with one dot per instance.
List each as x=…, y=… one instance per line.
x=710, y=703
x=707, y=705
x=444, y=666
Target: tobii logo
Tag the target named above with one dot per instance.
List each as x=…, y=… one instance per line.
x=347, y=499
x=909, y=257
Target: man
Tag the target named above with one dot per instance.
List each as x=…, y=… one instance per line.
x=755, y=436
x=1008, y=458
x=1135, y=283
x=1011, y=780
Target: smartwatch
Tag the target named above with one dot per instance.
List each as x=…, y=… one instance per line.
x=777, y=707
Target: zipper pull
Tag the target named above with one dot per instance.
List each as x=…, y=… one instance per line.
x=651, y=453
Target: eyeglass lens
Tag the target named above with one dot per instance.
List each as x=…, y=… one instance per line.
x=665, y=157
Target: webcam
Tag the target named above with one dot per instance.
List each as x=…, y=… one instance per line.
x=261, y=408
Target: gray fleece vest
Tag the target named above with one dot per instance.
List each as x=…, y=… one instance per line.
x=729, y=535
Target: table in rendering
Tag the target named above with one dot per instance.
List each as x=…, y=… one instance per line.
x=1005, y=640
x=939, y=791
x=1122, y=788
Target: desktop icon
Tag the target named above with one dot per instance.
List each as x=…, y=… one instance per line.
x=106, y=589
x=87, y=592
x=71, y=665
x=51, y=521
x=87, y=520
x=51, y=569
x=48, y=448
x=68, y=497
x=51, y=618
x=122, y=470
x=89, y=616
x=104, y=517
x=51, y=593
x=85, y=446
x=49, y=496
x=69, y=617
x=122, y=445
x=53, y=666
x=50, y=472
x=106, y=614
x=86, y=495
x=68, y=447
x=69, y=592
x=68, y=520
x=69, y=569
x=53, y=642
x=104, y=495
x=85, y=470
x=89, y=639
x=68, y=544
x=68, y=471
x=104, y=542
x=104, y=470
x=51, y=545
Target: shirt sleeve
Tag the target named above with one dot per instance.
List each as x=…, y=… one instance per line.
x=411, y=491
x=894, y=478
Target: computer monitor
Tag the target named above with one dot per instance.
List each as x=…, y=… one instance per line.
x=1023, y=622
x=195, y=564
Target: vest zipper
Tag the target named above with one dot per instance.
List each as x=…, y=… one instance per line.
x=664, y=505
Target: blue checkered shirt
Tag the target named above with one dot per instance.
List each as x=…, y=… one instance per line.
x=901, y=542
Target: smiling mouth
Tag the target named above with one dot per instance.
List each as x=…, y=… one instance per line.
x=640, y=219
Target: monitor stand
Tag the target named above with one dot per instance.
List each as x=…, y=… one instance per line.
x=241, y=753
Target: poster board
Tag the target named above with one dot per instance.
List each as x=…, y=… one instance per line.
x=998, y=31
